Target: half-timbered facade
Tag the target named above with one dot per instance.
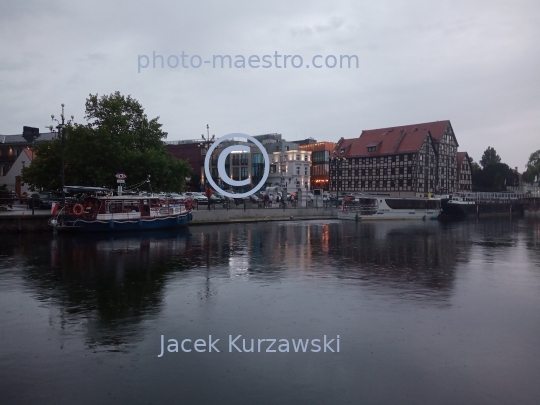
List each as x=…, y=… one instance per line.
x=464, y=171
x=444, y=176
x=390, y=162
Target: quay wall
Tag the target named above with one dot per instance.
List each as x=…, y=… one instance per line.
x=15, y=222
x=24, y=223
x=256, y=215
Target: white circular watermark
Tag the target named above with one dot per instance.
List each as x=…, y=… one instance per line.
x=221, y=165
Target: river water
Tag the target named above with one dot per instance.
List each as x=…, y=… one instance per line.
x=426, y=313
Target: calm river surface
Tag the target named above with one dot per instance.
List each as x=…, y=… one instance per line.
x=426, y=313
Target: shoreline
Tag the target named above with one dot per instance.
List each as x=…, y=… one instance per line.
x=22, y=221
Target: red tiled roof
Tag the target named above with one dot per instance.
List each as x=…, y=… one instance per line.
x=436, y=128
x=460, y=156
x=389, y=143
x=31, y=155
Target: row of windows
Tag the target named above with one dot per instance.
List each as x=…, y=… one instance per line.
x=383, y=159
x=372, y=183
x=381, y=172
x=381, y=183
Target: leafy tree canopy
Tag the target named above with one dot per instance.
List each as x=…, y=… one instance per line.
x=533, y=167
x=118, y=136
x=489, y=157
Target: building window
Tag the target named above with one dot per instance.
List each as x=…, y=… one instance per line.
x=297, y=169
x=244, y=173
x=306, y=170
x=297, y=157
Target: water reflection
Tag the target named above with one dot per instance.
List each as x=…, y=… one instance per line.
x=111, y=284
x=106, y=283
x=427, y=312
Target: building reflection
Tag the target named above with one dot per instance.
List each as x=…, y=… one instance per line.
x=111, y=285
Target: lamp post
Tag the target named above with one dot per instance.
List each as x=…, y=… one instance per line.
x=61, y=130
x=205, y=145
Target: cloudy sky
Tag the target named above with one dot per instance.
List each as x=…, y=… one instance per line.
x=476, y=63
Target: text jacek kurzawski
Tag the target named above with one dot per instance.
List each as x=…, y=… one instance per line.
x=238, y=344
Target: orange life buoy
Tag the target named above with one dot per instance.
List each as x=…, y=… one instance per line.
x=78, y=209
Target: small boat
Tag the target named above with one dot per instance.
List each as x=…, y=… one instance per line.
x=122, y=213
x=381, y=207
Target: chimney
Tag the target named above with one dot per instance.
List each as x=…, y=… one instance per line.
x=30, y=133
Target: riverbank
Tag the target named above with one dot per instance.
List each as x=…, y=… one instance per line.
x=22, y=220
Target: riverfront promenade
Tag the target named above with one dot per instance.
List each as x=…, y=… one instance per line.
x=20, y=219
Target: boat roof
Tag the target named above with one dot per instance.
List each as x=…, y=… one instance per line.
x=137, y=197
x=81, y=189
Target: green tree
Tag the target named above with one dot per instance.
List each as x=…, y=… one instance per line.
x=533, y=167
x=489, y=157
x=117, y=136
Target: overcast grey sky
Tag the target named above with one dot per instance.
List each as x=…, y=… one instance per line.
x=475, y=63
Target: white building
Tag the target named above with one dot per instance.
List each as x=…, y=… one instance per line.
x=12, y=176
x=290, y=169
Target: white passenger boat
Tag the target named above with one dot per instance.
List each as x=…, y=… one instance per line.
x=382, y=207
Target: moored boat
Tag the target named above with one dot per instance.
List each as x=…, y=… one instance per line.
x=463, y=205
x=122, y=213
x=382, y=207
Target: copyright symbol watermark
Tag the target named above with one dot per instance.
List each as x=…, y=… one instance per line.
x=221, y=165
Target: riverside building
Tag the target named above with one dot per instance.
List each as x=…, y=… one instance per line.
x=320, y=162
x=411, y=160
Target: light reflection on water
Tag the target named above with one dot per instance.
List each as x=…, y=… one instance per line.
x=428, y=313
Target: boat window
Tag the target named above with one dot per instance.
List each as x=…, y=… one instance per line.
x=413, y=204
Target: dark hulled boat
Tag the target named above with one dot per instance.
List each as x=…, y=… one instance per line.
x=463, y=205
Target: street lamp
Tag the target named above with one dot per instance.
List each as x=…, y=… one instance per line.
x=61, y=130
x=205, y=145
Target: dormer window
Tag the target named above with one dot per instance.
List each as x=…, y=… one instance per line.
x=372, y=147
x=342, y=151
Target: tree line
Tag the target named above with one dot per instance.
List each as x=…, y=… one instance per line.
x=493, y=175
x=117, y=137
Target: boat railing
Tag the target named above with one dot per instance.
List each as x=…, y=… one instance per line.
x=486, y=197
